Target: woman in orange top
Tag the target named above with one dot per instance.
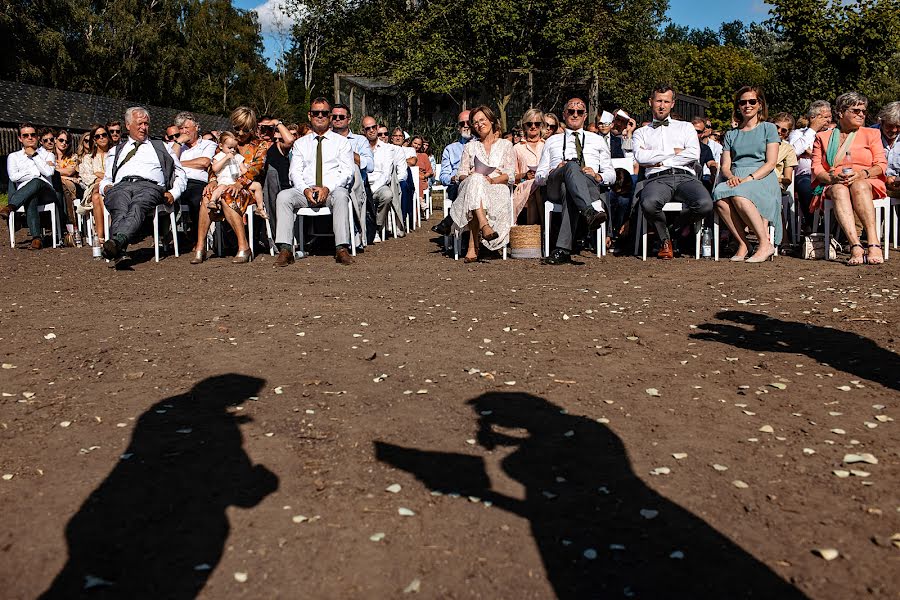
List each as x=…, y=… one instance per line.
x=849, y=165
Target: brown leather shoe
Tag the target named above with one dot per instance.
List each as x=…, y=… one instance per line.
x=666, y=252
x=4, y=212
x=342, y=256
x=36, y=244
x=284, y=258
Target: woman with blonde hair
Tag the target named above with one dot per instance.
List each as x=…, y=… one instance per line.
x=551, y=125
x=528, y=154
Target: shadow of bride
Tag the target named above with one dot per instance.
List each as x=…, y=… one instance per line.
x=156, y=527
x=601, y=532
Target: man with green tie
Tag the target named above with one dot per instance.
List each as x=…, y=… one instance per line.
x=140, y=173
x=322, y=168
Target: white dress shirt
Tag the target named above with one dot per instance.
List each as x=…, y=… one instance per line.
x=657, y=145
x=893, y=159
x=202, y=149
x=23, y=168
x=145, y=164
x=802, y=140
x=716, y=149
x=337, y=161
x=386, y=160
x=361, y=146
x=558, y=148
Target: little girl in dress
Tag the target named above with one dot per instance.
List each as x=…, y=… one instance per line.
x=228, y=166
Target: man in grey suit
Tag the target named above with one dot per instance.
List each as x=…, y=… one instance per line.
x=140, y=173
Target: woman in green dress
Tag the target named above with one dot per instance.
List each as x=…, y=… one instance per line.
x=750, y=195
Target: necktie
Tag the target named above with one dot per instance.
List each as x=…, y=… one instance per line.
x=660, y=123
x=579, y=149
x=319, y=139
x=130, y=154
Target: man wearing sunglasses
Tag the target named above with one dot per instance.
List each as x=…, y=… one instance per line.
x=30, y=174
x=362, y=156
x=278, y=162
x=669, y=152
x=114, y=128
x=321, y=171
x=573, y=167
x=452, y=155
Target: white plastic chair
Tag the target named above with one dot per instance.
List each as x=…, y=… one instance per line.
x=322, y=212
x=549, y=209
x=251, y=230
x=882, y=222
x=416, y=215
x=49, y=207
x=895, y=221
x=640, y=241
x=456, y=236
x=169, y=210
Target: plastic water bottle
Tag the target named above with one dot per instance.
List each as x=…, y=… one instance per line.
x=706, y=243
x=848, y=168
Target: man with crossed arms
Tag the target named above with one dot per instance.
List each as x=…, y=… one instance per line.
x=321, y=171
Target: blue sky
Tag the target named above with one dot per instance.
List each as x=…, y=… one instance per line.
x=694, y=13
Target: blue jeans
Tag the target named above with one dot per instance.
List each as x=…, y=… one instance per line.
x=804, y=189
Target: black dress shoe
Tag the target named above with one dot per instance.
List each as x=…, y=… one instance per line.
x=444, y=227
x=593, y=217
x=558, y=257
x=110, y=250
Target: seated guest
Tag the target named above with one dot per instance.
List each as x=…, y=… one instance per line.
x=849, y=165
x=669, y=152
x=140, y=173
x=30, y=174
x=48, y=141
x=551, y=125
x=67, y=169
x=435, y=168
x=889, y=120
x=280, y=138
x=425, y=172
x=802, y=139
x=528, y=155
x=239, y=195
x=452, y=154
x=387, y=161
x=114, y=128
x=171, y=137
x=195, y=155
x=707, y=161
x=612, y=140
x=362, y=162
x=787, y=158
x=92, y=170
x=572, y=167
x=84, y=147
x=750, y=196
x=483, y=201
x=322, y=172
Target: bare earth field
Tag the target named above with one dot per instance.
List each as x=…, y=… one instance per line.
x=612, y=429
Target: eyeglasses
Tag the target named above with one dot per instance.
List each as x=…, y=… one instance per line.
x=370, y=127
x=47, y=140
x=463, y=124
x=481, y=122
x=28, y=135
x=552, y=126
x=382, y=134
x=278, y=138
x=63, y=140
x=112, y=131
x=266, y=128
x=338, y=117
x=100, y=136
x=750, y=101
x=782, y=129
x=859, y=112
x=170, y=137
x=320, y=113
x=532, y=124
x=575, y=111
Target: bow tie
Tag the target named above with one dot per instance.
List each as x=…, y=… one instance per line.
x=660, y=123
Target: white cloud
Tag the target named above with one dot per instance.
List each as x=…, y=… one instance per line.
x=272, y=18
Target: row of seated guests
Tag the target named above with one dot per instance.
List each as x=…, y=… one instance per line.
x=571, y=166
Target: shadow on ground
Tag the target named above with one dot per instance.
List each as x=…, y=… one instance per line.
x=156, y=527
x=848, y=352
x=601, y=532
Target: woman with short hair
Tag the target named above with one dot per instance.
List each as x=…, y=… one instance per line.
x=528, y=155
x=849, y=165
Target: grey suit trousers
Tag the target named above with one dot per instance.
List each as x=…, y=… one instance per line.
x=129, y=203
x=676, y=187
x=576, y=192
x=291, y=200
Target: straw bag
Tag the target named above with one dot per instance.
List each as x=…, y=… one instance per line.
x=814, y=247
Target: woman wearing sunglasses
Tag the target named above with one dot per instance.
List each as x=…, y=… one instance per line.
x=551, y=126
x=849, y=165
x=528, y=155
x=750, y=195
x=67, y=167
x=91, y=169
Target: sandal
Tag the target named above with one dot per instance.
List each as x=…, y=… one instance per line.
x=864, y=257
x=876, y=261
x=491, y=236
x=261, y=213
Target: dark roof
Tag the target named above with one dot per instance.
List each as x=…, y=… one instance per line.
x=50, y=107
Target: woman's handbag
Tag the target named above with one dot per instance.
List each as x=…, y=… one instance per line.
x=814, y=247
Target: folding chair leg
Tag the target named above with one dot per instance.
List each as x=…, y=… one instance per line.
x=174, y=232
x=156, y=234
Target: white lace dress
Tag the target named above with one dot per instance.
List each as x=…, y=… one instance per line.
x=476, y=191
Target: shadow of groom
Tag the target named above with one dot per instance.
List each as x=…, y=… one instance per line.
x=600, y=530
x=156, y=526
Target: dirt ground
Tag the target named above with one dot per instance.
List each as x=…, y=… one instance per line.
x=412, y=426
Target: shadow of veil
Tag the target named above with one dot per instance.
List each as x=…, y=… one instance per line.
x=156, y=527
x=843, y=350
x=581, y=495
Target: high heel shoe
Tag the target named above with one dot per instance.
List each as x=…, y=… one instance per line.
x=738, y=258
x=492, y=236
x=770, y=256
x=198, y=257
x=243, y=256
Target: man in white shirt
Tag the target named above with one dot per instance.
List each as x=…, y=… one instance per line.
x=30, y=173
x=140, y=173
x=889, y=123
x=819, y=115
x=572, y=167
x=321, y=172
x=362, y=157
x=387, y=162
x=195, y=155
x=669, y=150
